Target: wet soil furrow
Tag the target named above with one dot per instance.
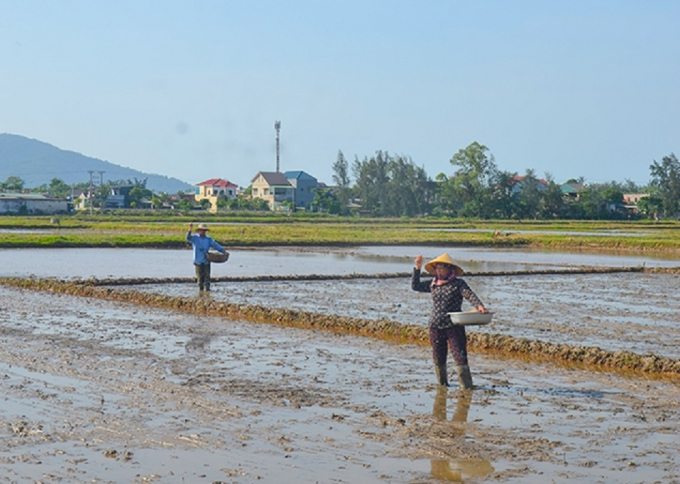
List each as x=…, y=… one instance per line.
x=382, y=329
x=397, y=275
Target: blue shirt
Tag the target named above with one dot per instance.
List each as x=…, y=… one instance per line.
x=201, y=247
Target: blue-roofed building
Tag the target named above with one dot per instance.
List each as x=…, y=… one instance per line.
x=572, y=190
x=304, y=185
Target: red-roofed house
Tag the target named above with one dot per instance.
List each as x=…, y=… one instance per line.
x=213, y=189
x=518, y=183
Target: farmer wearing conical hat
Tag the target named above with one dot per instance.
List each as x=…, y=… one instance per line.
x=448, y=291
x=202, y=244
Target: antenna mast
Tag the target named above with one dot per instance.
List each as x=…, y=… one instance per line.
x=277, y=127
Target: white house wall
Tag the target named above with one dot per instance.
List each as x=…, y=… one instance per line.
x=33, y=206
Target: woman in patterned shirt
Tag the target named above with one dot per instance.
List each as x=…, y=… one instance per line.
x=448, y=291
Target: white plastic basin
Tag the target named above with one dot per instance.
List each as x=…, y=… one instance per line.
x=471, y=318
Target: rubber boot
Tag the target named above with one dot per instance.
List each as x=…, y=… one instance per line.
x=464, y=377
x=441, y=375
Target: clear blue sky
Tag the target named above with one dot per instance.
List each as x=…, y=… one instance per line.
x=191, y=89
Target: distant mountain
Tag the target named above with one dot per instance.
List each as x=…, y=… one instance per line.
x=37, y=163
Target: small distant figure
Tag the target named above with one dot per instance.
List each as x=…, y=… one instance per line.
x=656, y=216
x=496, y=233
x=202, y=244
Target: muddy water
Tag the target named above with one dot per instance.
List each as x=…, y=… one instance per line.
x=95, y=391
x=571, y=233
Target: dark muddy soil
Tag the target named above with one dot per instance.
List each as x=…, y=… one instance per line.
x=637, y=312
x=95, y=391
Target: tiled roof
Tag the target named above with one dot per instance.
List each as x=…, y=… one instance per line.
x=571, y=187
x=520, y=178
x=217, y=182
x=298, y=174
x=272, y=178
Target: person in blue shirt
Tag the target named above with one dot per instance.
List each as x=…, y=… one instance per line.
x=202, y=244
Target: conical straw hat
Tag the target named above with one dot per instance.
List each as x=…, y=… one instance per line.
x=444, y=259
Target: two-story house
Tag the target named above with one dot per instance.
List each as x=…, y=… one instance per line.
x=304, y=185
x=631, y=201
x=119, y=197
x=213, y=189
x=274, y=188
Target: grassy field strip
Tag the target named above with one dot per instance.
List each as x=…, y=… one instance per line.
x=266, y=230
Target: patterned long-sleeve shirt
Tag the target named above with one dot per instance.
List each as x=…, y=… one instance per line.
x=446, y=298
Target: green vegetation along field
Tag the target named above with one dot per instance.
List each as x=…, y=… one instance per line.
x=131, y=230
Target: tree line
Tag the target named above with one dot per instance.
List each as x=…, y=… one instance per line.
x=387, y=185
x=394, y=186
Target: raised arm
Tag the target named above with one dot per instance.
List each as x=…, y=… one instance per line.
x=416, y=283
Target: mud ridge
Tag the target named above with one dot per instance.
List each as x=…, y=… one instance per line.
x=382, y=329
x=395, y=275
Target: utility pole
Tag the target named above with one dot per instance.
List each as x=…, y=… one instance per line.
x=91, y=189
x=277, y=127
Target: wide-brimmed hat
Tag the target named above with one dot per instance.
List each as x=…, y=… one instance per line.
x=444, y=259
x=202, y=227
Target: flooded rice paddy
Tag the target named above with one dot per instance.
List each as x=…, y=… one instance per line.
x=130, y=263
x=102, y=391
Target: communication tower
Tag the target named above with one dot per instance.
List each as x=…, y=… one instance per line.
x=277, y=127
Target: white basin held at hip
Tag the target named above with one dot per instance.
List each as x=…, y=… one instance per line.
x=471, y=318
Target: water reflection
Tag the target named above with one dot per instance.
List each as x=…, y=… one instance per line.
x=602, y=233
x=159, y=263
x=456, y=470
x=463, y=402
x=532, y=256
